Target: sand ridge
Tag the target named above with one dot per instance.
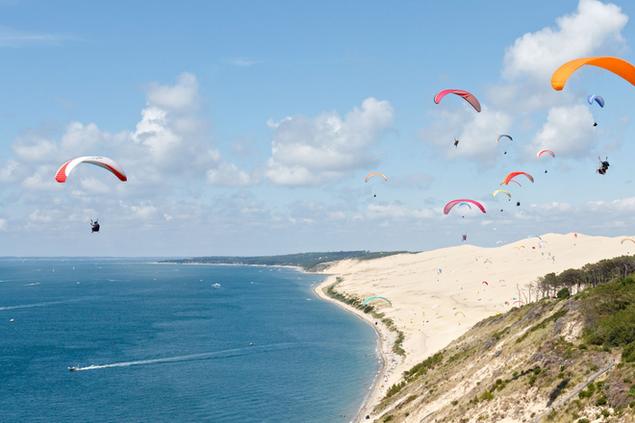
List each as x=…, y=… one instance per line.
x=438, y=295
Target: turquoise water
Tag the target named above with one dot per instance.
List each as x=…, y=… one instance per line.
x=159, y=342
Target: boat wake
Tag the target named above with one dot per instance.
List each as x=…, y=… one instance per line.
x=42, y=304
x=229, y=353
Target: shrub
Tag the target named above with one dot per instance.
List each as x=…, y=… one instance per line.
x=563, y=294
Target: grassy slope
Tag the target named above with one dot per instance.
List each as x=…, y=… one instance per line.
x=556, y=360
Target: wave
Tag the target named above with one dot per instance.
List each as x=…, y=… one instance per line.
x=229, y=353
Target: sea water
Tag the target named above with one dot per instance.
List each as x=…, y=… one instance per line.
x=166, y=342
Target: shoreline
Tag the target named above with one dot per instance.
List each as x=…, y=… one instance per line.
x=438, y=295
x=384, y=353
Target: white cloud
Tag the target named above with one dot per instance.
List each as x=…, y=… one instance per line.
x=228, y=174
x=181, y=96
x=313, y=150
x=143, y=211
x=568, y=131
x=399, y=211
x=35, y=149
x=9, y=170
x=621, y=205
x=594, y=25
x=10, y=37
x=477, y=132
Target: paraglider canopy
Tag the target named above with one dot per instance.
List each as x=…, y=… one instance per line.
x=467, y=96
x=616, y=65
x=502, y=191
x=545, y=151
x=104, y=162
x=595, y=98
x=372, y=298
x=450, y=204
x=373, y=174
x=510, y=176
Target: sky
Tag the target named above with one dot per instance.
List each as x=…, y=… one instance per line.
x=247, y=127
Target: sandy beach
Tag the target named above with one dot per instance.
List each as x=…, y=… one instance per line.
x=437, y=295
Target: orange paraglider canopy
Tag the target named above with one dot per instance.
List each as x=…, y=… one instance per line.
x=616, y=65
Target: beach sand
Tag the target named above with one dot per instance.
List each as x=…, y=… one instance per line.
x=438, y=295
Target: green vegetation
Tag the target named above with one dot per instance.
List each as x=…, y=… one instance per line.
x=397, y=347
x=542, y=324
x=308, y=261
x=563, y=294
x=593, y=275
x=422, y=368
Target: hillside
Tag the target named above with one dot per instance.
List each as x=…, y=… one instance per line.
x=560, y=359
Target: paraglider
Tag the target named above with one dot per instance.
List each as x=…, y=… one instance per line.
x=504, y=136
x=467, y=96
x=94, y=226
x=618, y=66
x=372, y=298
x=512, y=175
x=502, y=191
x=450, y=204
x=545, y=152
x=485, y=283
x=626, y=240
x=375, y=174
x=604, y=166
x=104, y=162
x=595, y=99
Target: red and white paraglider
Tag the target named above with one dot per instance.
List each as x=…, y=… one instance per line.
x=110, y=165
x=104, y=162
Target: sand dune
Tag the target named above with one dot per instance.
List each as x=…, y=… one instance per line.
x=437, y=295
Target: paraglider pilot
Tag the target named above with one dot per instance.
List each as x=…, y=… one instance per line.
x=604, y=166
x=94, y=225
x=456, y=142
x=464, y=237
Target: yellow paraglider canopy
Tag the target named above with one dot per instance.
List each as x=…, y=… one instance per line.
x=616, y=65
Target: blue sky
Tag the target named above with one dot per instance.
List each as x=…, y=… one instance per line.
x=247, y=127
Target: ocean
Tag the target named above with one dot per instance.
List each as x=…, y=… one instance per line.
x=167, y=342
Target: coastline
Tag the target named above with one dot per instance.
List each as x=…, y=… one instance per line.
x=387, y=359
x=438, y=295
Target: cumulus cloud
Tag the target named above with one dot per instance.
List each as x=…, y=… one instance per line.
x=525, y=90
x=181, y=96
x=593, y=26
x=568, y=131
x=228, y=174
x=309, y=151
x=399, y=211
x=476, y=132
x=35, y=149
